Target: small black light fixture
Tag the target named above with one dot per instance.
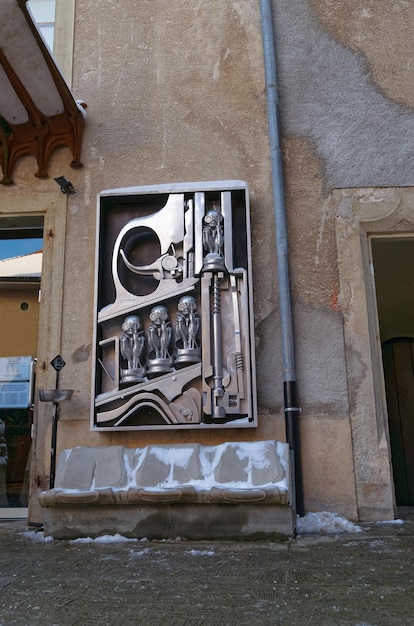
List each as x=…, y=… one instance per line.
x=65, y=184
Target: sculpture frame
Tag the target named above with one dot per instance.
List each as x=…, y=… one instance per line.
x=191, y=363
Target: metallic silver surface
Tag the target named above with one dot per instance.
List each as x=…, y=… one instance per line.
x=174, y=324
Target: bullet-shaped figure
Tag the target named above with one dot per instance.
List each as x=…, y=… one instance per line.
x=159, y=338
x=213, y=241
x=213, y=235
x=187, y=324
x=132, y=345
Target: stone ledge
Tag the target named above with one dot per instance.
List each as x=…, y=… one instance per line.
x=228, y=473
x=171, y=521
x=185, y=494
x=233, y=490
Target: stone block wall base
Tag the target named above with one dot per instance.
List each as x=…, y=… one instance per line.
x=166, y=521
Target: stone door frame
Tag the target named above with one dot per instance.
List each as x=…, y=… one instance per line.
x=52, y=207
x=360, y=214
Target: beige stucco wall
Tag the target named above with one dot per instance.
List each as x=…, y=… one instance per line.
x=169, y=100
x=381, y=32
x=175, y=93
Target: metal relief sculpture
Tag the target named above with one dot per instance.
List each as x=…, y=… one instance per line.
x=173, y=329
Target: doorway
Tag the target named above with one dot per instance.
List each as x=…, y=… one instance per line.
x=393, y=260
x=21, y=244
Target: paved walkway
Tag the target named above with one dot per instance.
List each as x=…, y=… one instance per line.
x=363, y=579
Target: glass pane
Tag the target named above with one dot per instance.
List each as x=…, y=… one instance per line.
x=10, y=248
x=47, y=31
x=43, y=12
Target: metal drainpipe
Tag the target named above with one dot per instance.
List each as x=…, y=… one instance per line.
x=288, y=360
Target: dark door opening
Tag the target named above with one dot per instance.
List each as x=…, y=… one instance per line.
x=398, y=359
x=393, y=259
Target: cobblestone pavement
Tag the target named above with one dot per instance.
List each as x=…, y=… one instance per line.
x=362, y=579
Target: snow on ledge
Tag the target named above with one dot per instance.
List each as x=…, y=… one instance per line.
x=231, y=472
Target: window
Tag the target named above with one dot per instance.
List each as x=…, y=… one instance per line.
x=43, y=12
x=56, y=21
x=20, y=236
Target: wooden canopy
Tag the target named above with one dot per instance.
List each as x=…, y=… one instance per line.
x=37, y=110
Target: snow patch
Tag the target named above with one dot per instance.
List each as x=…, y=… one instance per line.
x=104, y=539
x=173, y=456
x=255, y=454
x=200, y=552
x=325, y=523
x=140, y=552
x=36, y=535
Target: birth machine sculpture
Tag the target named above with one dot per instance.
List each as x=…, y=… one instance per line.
x=174, y=326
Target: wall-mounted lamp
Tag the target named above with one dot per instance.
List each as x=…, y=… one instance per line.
x=65, y=184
